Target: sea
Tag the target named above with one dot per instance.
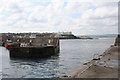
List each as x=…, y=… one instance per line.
x=73, y=53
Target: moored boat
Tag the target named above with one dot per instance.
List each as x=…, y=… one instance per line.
x=8, y=44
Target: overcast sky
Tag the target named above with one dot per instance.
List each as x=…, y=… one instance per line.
x=78, y=16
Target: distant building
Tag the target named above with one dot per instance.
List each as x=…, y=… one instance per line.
x=65, y=35
x=32, y=36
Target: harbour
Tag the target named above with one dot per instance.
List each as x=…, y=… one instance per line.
x=71, y=52
x=59, y=40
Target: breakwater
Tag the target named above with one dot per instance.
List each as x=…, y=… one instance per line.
x=34, y=47
x=33, y=52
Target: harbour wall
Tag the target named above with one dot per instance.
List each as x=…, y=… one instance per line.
x=33, y=52
x=37, y=42
x=38, y=47
x=117, y=41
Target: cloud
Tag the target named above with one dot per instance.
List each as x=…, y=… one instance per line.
x=58, y=15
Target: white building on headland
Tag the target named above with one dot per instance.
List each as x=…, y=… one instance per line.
x=65, y=33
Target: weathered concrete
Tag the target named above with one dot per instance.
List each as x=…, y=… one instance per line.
x=33, y=52
x=117, y=41
x=38, y=41
x=38, y=48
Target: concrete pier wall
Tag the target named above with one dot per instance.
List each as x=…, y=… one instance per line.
x=38, y=48
x=117, y=41
x=33, y=52
x=38, y=41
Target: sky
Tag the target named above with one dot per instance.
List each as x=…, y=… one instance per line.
x=81, y=17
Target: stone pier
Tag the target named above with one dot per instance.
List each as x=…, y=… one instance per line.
x=37, y=48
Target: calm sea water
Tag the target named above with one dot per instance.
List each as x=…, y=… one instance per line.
x=73, y=53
